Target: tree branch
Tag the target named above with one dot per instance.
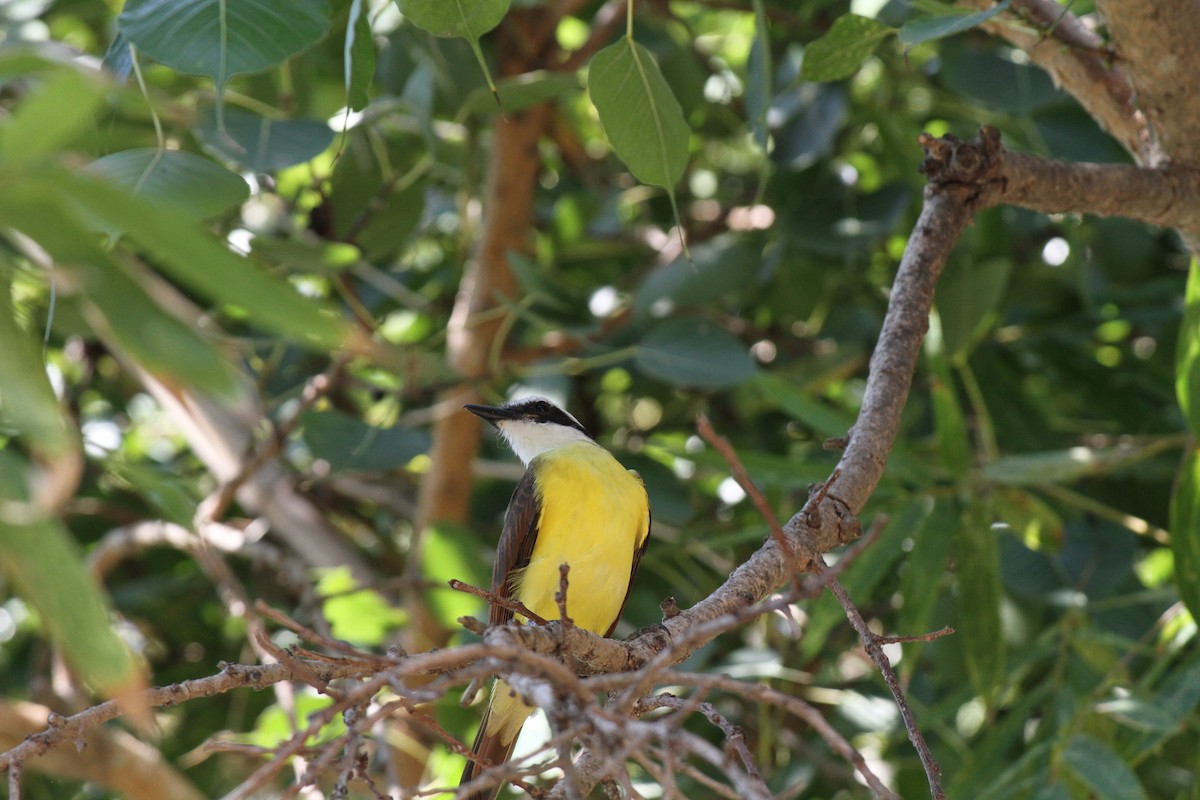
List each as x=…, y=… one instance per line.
x=1156, y=41
x=1060, y=43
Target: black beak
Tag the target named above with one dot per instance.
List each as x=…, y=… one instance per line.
x=490, y=414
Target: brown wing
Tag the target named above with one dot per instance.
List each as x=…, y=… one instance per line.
x=516, y=542
x=637, y=560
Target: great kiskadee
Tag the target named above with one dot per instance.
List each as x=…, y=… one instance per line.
x=576, y=505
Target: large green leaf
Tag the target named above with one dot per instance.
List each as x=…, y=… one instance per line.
x=116, y=306
x=260, y=144
x=842, y=50
x=42, y=560
x=27, y=401
x=1101, y=770
x=469, y=19
x=719, y=267
x=979, y=599
x=639, y=112
x=1185, y=531
x=693, y=352
x=222, y=38
x=968, y=296
x=347, y=443
x=195, y=187
x=61, y=108
x=920, y=581
x=1187, y=353
x=194, y=258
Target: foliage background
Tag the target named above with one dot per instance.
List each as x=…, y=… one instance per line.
x=1028, y=494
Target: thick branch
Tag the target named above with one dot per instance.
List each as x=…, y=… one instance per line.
x=1168, y=197
x=108, y=757
x=1157, y=43
x=1076, y=60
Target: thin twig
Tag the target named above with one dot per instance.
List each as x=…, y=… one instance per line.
x=870, y=641
x=506, y=603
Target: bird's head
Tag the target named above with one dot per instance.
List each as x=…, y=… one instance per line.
x=532, y=425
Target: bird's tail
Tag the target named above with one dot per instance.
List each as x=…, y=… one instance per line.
x=497, y=736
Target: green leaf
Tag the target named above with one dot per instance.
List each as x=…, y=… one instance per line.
x=1187, y=352
x=359, y=56
x=1064, y=466
x=44, y=563
x=260, y=144
x=920, y=582
x=194, y=258
x=356, y=615
x=27, y=400
x=979, y=598
x=223, y=38
x=758, y=77
x=469, y=19
x=521, y=91
x=968, y=296
x=1101, y=770
x=719, y=267
x=347, y=443
x=49, y=117
x=939, y=26
x=450, y=551
x=950, y=424
x=639, y=113
x=842, y=50
x=117, y=307
x=811, y=411
x=195, y=187
x=861, y=578
x=1185, y=531
x=1177, y=696
x=276, y=725
x=693, y=352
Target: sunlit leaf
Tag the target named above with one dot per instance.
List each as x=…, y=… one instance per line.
x=639, y=112
x=453, y=552
x=356, y=615
x=843, y=49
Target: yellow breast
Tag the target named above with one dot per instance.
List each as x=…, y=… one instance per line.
x=594, y=517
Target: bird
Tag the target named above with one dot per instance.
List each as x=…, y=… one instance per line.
x=575, y=504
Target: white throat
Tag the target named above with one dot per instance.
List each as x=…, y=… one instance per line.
x=530, y=439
